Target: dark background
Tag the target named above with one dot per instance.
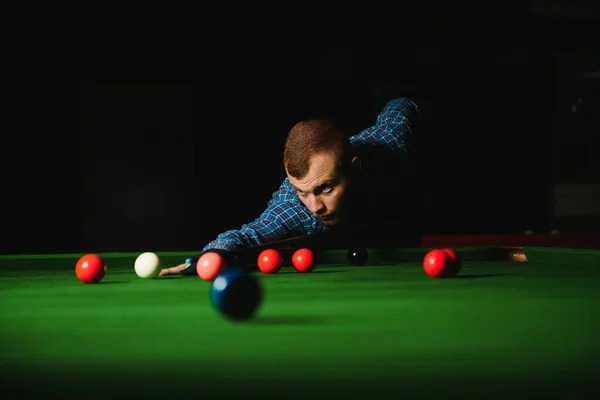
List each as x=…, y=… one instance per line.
x=181, y=141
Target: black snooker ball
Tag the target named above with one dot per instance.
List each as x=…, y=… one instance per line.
x=236, y=294
x=358, y=256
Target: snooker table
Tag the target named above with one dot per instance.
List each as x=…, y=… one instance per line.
x=517, y=321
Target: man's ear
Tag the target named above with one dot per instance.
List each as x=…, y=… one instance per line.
x=356, y=164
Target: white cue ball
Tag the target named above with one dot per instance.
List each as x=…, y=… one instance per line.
x=147, y=265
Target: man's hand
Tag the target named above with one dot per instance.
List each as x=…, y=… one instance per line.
x=187, y=269
x=173, y=270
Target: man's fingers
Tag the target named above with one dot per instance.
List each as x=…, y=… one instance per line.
x=173, y=270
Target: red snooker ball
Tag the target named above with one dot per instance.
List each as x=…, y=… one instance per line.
x=303, y=260
x=209, y=265
x=436, y=262
x=270, y=261
x=455, y=263
x=90, y=268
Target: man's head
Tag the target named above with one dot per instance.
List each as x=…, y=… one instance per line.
x=318, y=162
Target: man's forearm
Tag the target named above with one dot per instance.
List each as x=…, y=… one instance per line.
x=281, y=220
x=233, y=240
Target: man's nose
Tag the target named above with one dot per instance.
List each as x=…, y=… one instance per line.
x=316, y=205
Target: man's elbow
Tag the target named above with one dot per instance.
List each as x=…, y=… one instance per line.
x=405, y=105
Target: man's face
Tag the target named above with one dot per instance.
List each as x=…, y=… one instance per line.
x=322, y=190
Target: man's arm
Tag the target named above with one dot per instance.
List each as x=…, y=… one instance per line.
x=284, y=217
x=394, y=128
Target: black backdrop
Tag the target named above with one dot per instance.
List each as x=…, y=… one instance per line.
x=170, y=153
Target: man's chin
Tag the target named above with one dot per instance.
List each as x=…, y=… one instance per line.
x=329, y=221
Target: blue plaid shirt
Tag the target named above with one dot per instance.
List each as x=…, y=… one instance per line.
x=286, y=216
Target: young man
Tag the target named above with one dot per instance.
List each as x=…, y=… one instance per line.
x=335, y=182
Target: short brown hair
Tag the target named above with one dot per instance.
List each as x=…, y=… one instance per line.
x=311, y=137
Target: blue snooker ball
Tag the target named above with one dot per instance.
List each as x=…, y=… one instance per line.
x=236, y=294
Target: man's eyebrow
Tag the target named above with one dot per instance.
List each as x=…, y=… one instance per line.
x=325, y=182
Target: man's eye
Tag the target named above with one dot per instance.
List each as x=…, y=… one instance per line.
x=327, y=189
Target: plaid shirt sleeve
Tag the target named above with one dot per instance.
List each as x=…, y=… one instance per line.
x=393, y=128
x=286, y=216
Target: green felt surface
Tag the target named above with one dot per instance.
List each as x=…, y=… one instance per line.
x=340, y=330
